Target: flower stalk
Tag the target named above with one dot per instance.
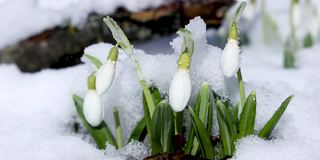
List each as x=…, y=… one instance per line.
x=118, y=128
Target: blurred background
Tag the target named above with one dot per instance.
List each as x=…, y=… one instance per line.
x=38, y=34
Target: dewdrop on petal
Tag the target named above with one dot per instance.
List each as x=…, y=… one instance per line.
x=92, y=106
x=230, y=58
x=180, y=89
x=106, y=72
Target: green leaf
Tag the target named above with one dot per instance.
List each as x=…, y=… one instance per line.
x=247, y=117
x=156, y=96
x=100, y=134
x=268, y=127
x=308, y=41
x=95, y=61
x=118, y=35
x=203, y=109
x=153, y=95
x=202, y=136
x=235, y=114
x=139, y=132
x=289, y=58
x=162, y=127
x=225, y=129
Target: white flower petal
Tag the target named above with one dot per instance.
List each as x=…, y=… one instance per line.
x=92, y=108
x=105, y=76
x=230, y=59
x=180, y=90
x=296, y=13
x=249, y=12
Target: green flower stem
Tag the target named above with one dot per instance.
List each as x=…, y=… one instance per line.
x=241, y=89
x=91, y=82
x=178, y=123
x=118, y=128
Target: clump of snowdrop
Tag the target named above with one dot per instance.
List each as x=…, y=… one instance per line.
x=163, y=119
x=92, y=107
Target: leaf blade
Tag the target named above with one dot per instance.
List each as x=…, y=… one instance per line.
x=202, y=136
x=268, y=127
x=247, y=117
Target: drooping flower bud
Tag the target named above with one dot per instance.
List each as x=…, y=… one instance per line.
x=180, y=89
x=92, y=106
x=230, y=58
x=106, y=72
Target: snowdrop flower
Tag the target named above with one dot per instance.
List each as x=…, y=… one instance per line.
x=180, y=88
x=315, y=26
x=230, y=59
x=92, y=106
x=296, y=13
x=106, y=72
x=250, y=10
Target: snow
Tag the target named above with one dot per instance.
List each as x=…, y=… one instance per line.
x=21, y=19
x=37, y=109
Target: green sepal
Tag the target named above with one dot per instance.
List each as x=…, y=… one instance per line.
x=95, y=61
x=233, y=32
x=113, y=54
x=91, y=81
x=184, y=61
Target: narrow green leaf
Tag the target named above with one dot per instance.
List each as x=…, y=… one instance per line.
x=202, y=136
x=95, y=61
x=100, y=134
x=235, y=114
x=308, y=41
x=149, y=99
x=210, y=113
x=203, y=108
x=247, y=117
x=155, y=94
x=139, y=132
x=229, y=121
x=225, y=130
x=162, y=127
x=268, y=127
